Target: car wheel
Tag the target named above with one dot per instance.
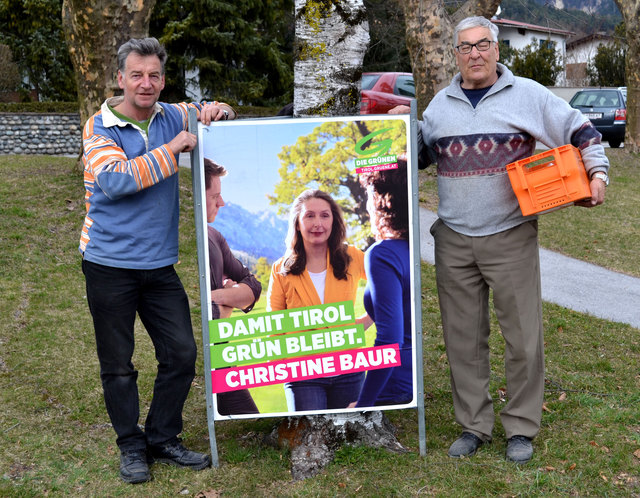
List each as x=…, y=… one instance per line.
x=614, y=144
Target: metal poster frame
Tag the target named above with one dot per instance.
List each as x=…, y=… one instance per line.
x=197, y=158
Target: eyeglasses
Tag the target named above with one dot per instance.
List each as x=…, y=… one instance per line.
x=466, y=48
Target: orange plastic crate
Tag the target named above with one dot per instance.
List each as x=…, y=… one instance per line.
x=550, y=180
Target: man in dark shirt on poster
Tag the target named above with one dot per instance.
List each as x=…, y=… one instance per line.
x=232, y=284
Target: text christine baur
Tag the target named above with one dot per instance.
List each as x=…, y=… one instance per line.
x=291, y=345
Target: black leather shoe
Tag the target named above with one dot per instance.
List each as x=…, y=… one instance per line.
x=519, y=449
x=465, y=446
x=176, y=454
x=133, y=466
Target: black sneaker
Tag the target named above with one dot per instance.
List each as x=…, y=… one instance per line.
x=133, y=466
x=465, y=446
x=519, y=449
x=176, y=454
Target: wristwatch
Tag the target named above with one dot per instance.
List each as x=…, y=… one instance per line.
x=226, y=114
x=603, y=176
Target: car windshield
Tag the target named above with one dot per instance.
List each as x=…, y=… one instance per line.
x=405, y=86
x=597, y=98
x=368, y=80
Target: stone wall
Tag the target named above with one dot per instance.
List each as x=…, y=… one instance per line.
x=34, y=133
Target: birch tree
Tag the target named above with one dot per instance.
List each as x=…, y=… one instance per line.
x=429, y=36
x=94, y=31
x=630, y=10
x=331, y=39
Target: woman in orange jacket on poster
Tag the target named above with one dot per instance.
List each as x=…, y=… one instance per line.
x=318, y=268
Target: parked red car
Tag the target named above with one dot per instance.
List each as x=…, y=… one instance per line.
x=383, y=91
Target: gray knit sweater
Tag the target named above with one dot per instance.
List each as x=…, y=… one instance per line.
x=473, y=146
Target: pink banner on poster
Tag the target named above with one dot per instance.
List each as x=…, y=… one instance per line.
x=308, y=367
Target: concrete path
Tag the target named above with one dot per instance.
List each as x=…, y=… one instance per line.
x=570, y=283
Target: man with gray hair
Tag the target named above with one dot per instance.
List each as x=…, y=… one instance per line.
x=485, y=119
x=129, y=244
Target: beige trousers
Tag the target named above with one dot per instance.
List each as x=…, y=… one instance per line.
x=466, y=269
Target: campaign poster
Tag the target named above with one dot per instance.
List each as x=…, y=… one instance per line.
x=319, y=212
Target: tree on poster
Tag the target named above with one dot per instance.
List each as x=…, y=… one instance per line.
x=324, y=160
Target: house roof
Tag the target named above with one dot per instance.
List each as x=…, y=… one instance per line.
x=576, y=42
x=531, y=27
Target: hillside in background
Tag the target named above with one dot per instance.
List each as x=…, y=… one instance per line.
x=598, y=7
x=580, y=16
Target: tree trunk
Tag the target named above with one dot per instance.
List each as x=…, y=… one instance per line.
x=331, y=39
x=429, y=35
x=94, y=31
x=630, y=10
x=313, y=440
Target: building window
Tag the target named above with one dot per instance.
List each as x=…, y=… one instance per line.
x=547, y=43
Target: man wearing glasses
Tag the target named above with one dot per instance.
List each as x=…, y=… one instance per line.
x=485, y=119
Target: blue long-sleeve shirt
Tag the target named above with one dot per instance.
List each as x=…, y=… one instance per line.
x=131, y=187
x=387, y=300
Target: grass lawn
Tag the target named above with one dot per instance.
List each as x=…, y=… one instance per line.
x=55, y=436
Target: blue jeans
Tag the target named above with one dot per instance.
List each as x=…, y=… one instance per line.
x=115, y=295
x=326, y=392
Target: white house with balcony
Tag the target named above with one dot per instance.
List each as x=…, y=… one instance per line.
x=518, y=35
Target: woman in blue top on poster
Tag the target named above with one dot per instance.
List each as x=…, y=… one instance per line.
x=387, y=297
